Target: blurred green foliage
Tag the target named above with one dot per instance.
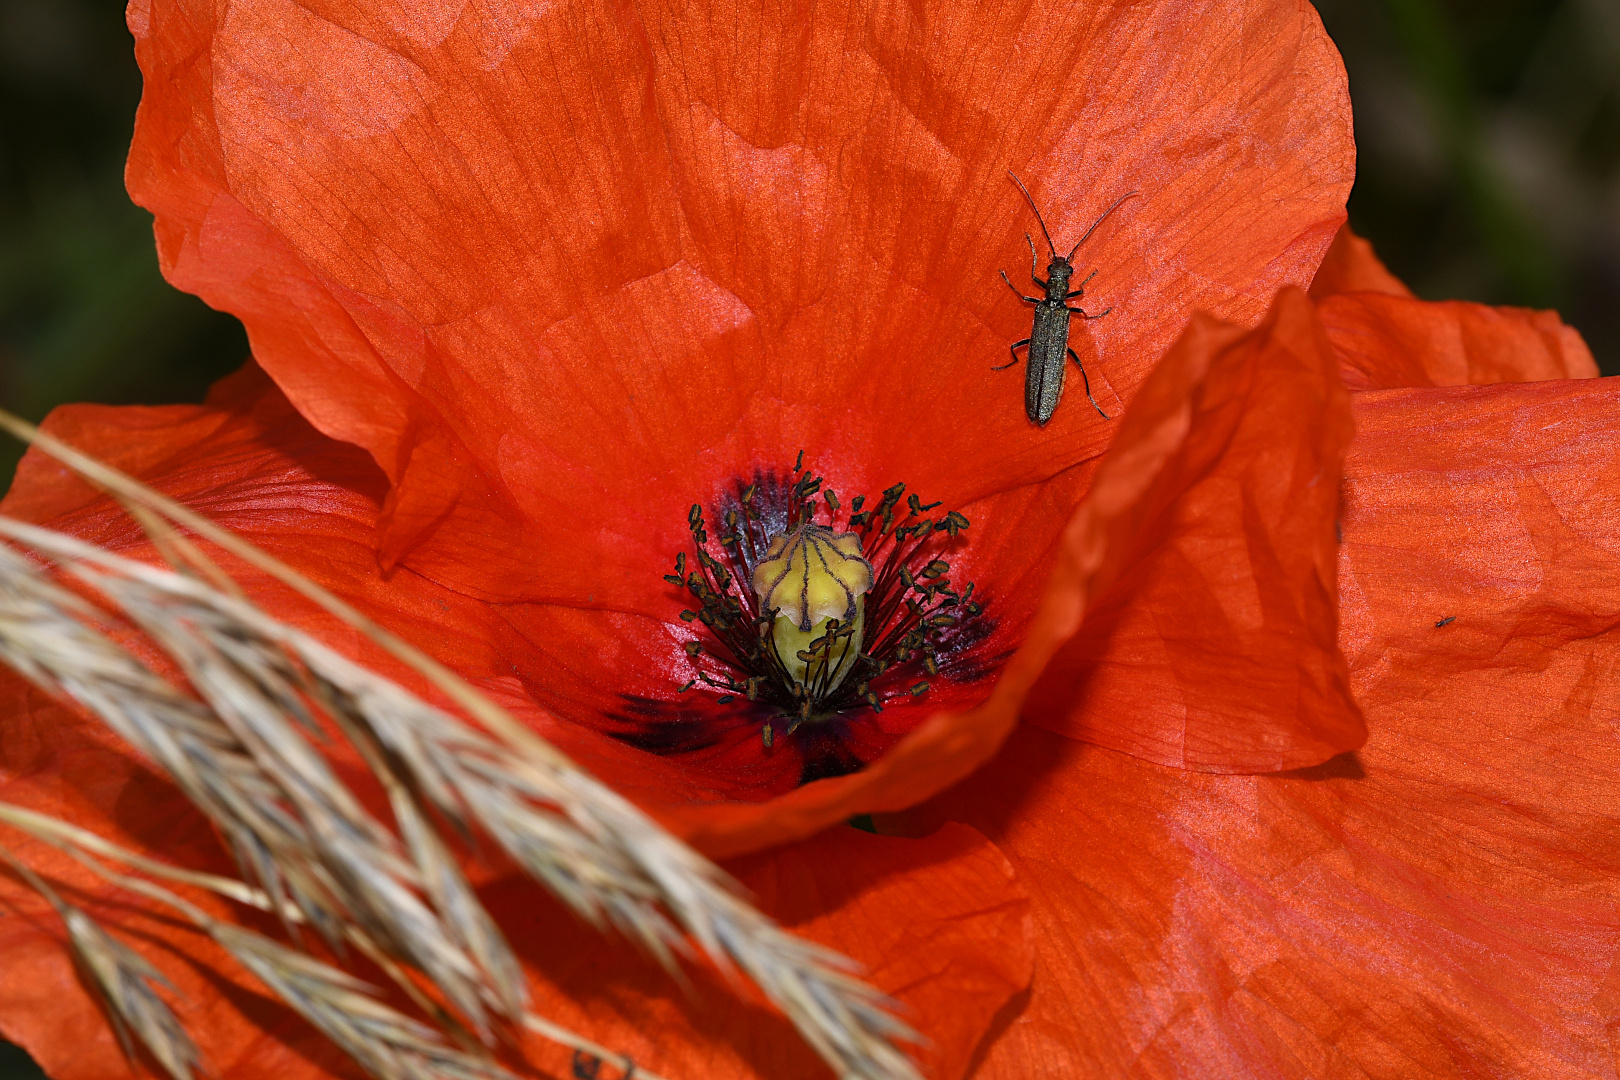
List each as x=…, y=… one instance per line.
x=84, y=313
x=1488, y=132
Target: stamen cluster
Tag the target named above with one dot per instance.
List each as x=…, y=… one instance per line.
x=909, y=610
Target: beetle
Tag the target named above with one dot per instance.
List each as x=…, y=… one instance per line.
x=1048, y=341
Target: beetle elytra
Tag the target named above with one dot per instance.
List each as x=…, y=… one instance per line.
x=1048, y=340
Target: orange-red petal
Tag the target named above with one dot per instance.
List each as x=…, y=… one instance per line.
x=1387, y=338
x=563, y=272
x=1386, y=342
x=1205, y=553
x=941, y=922
x=1441, y=904
x=1351, y=266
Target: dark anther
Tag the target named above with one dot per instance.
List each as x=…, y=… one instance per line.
x=850, y=667
x=802, y=487
x=799, y=464
x=915, y=504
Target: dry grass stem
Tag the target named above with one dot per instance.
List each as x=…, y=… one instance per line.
x=80, y=842
x=67, y=837
x=265, y=783
x=124, y=981
x=249, y=758
x=44, y=632
x=386, y=1042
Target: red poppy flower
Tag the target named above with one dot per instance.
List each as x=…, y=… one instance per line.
x=531, y=282
x=552, y=357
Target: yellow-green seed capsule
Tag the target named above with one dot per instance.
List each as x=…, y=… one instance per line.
x=814, y=579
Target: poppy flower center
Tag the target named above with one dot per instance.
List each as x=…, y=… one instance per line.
x=817, y=611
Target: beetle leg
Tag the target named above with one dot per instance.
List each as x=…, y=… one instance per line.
x=1013, y=348
x=1087, y=384
x=1014, y=288
x=1034, y=263
x=1083, y=315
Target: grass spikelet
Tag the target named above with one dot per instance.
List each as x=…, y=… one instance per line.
x=285, y=797
x=124, y=981
x=386, y=1042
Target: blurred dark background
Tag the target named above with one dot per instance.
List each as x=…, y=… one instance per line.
x=1489, y=135
x=84, y=313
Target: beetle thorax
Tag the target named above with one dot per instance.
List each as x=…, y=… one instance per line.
x=1059, y=270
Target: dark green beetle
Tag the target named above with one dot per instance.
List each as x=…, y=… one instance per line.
x=1048, y=341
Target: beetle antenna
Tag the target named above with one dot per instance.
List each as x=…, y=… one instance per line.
x=1037, y=210
x=1100, y=220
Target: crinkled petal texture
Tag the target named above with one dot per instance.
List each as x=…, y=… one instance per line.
x=1444, y=903
x=564, y=269
x=1385, y=342
x=1386, y=338
x=1209, y=638
x=249, y=461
